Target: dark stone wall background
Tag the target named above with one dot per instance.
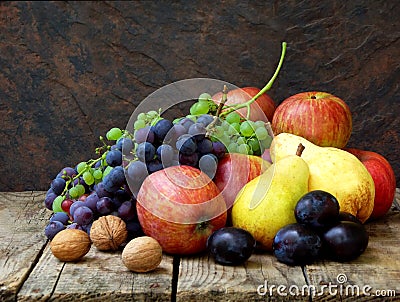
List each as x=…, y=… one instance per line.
x=69, y=71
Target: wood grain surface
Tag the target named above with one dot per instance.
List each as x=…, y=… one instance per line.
x=29, y=271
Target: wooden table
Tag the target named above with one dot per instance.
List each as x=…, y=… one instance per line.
x=29, y=272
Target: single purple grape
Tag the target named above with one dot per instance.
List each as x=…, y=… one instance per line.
x=127, y=211
x=53, y=228
x=105, y=206
x=74, y=206
x=91, y=201
x=61, y=217
x=83, y=215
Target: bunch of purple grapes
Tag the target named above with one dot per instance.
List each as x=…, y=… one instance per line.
x=165, y=144
x=106, y=195
x=108, y=185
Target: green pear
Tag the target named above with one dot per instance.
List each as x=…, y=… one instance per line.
x=266, y=203
x=332, y=170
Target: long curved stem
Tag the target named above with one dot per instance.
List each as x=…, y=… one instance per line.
x=264, y=89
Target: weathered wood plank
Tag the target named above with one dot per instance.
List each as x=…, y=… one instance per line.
x=201, y=279
x=375, y=272
x=28, y=270
x=22, y=221
x=99, y=276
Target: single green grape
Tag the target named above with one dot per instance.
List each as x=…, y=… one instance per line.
x=97, y=174
x=81, y=189
x=152, y=114
x=114, y=134
x=57, y=204
x=73, y=192
x=218, y=131
x=246, y=129
x=234, y=129
x=81, y=166
x=204, y=96
x=142, y=116
x=198, y=108
x=88, y=178
x=232, y=147
x=243, y=148
x=261, y=133
x=241, y=140
x=203, y=107
x=258, y=124
x=193, y=109
x=139, y=124
x=233, y=117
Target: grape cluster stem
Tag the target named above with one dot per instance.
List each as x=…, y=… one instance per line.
x=262, y=91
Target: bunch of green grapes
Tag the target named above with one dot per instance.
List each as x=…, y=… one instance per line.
x=146, y=119
x=235, y=132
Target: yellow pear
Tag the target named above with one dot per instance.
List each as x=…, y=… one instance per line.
x=266, y=203
x=333, y=170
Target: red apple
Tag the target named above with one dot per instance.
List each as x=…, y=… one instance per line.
x=384, y=180
x=319, y=117
x=180, y=206
x=235, y=170
x=261, y=109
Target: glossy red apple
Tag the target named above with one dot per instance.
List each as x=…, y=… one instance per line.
x=180, y=206
x=319, y=117
x=384, y=179
x=235, y=170
x=261, y=109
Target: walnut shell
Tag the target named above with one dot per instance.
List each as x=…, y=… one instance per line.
x=142, y=254
x=108, y=233
x=70, y=245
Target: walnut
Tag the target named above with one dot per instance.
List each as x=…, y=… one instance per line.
x=142, y=254
x=108, y=233
x=70, y=245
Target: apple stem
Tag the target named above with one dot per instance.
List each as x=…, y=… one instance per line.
x=263, y=90
x=300, y=149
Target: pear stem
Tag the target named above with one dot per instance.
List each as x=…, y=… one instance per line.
x=300, y=149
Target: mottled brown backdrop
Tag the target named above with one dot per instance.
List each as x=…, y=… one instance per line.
x=71, y=70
